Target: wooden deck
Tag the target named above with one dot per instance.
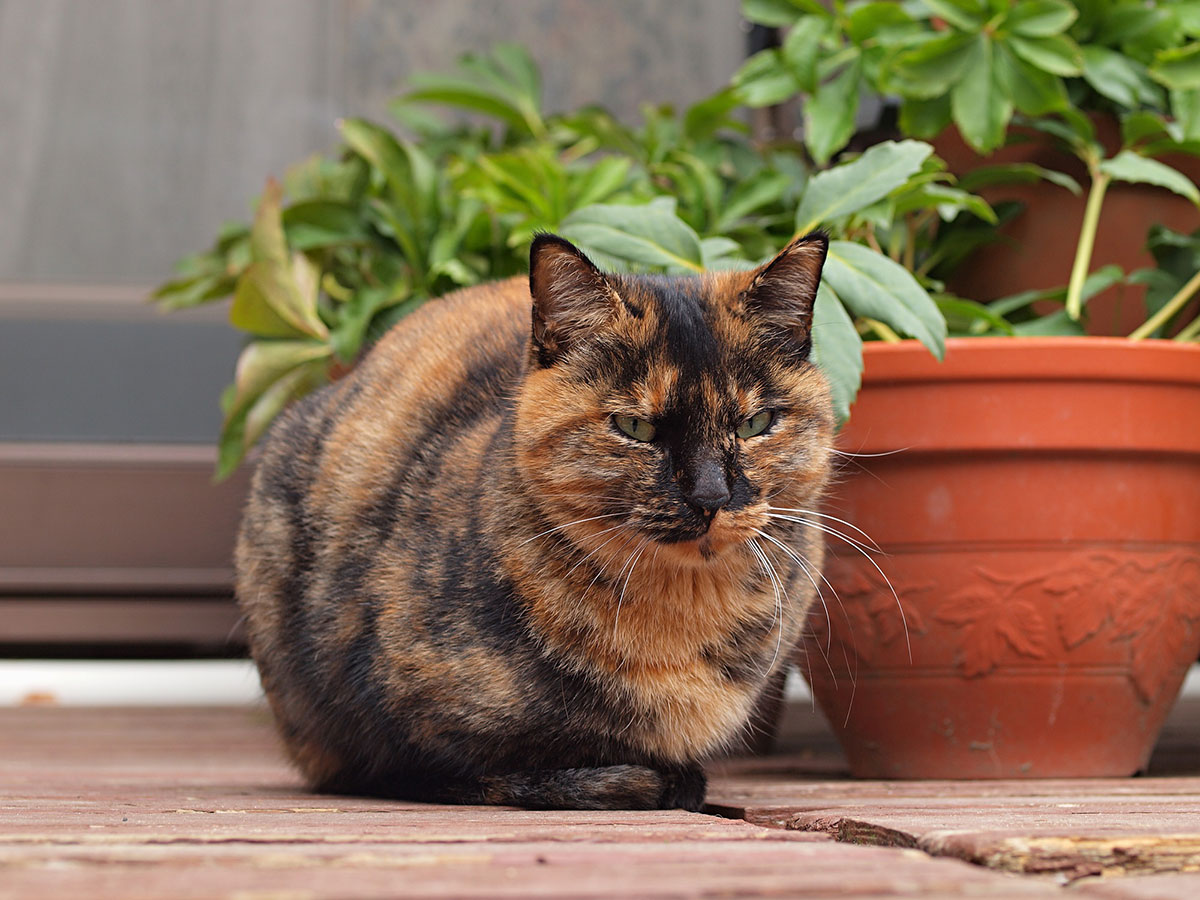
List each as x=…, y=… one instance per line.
x=164, y=803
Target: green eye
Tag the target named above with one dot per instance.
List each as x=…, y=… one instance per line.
x=756, y=424
x=638, y=429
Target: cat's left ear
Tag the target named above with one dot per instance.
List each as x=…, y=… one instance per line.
x=782, y=293
x=571, y=297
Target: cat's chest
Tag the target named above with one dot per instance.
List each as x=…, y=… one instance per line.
x=688, y=712
x=697, y=657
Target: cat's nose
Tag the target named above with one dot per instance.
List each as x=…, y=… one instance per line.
x=710, y=488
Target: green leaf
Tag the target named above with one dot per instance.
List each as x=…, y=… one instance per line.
x=1101, y=280
x=262, y=363
x=242, y=432
x=253, y=413
x=1042, y=18
x=1128, y=166
x=357, y=314
x=836, y=350
x=504, y=85
x=600, y=181
x=829, y=114
x=968, y=318
x=1016, y=173
x=1123, y=23
x=184, y=293
x=980, y=106
x=311, y=224
x=1178, y=67
x=1119, y=78
x=948, y=201
x=1056, y=54
x=925, y=118
x=873, y=21
x=1185, y=105
x=1074, y=128
x=409, y=171
x=1140, y=126
x=267, y=242
x=872, y=285
x=723, y=253
x=1032, y=90
x=266, y=303
x=964, y=14
x=703, y=119
x=801, y=50
x=779, y=13
x=519, y=65
x=851, y=186
x=764, y=80
x=651, y=235
x=931, y=69
x=1056, y=324
x=750, y=195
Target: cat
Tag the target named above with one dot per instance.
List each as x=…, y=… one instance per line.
x=532, y=559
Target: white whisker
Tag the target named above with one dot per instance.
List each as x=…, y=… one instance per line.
x=862, y=549
x=596, y=550
x=568, y=525
x=867, y=455
x=633, y=561
x=828, y=529
x=778, y=587
x=813, y=512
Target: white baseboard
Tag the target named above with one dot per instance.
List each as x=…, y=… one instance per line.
x=216, y=682
x=207, y=682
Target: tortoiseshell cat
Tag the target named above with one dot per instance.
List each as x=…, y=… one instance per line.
x=544, y=566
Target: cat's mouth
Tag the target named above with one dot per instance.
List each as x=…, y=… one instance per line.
x=705, y=539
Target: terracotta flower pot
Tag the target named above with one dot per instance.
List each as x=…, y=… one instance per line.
x=1041, y=525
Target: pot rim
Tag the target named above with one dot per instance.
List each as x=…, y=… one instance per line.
x=1111, y=359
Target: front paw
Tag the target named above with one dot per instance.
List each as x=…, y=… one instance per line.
x=683, y=788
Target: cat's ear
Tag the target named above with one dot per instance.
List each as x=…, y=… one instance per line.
x=782, y=292
x=571, y=297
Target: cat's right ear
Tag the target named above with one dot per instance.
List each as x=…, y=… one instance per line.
x=571, y=297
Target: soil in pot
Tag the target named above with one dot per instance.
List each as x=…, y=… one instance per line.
x=1041, y=528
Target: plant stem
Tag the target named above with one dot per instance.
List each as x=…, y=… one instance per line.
x=1191, y=333
x=883, y=331
x=1087, y=240
x=872, y=242
x=910, y=244
x=1172, y=306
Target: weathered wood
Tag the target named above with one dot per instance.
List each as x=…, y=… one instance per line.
x=199, y=803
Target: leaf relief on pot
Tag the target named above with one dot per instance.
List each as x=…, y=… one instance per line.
x=866, y=614
x=1152, y=604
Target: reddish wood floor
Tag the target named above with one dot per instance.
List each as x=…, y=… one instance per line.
x=198, y=803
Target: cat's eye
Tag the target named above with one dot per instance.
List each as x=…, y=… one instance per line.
x=638, y=429
x=756, y=424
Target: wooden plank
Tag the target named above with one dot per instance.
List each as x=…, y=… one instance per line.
x=200, y=803
x=1071, y=828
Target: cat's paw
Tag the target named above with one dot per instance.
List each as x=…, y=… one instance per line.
x=683, y=788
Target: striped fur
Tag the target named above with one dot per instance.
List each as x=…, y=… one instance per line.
x=464, y=583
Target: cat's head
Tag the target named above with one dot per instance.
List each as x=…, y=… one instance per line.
x=676, y=409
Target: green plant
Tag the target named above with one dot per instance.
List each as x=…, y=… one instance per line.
x=975, y=63
x=347, y=245
x=1046, y=66
x=1170, y=308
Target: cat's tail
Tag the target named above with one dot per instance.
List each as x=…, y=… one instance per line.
x=606, y=787
x=610, y=787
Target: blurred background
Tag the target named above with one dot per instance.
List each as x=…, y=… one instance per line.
x=130, y=130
